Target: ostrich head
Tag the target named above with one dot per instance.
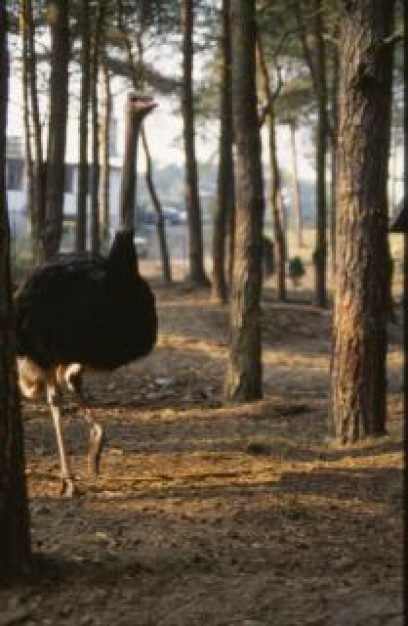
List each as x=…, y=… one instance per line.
x=140, y=105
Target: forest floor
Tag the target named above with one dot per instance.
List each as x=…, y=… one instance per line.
x=212, y=515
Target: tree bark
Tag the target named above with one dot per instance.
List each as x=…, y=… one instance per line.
x=82, y=222
x=225, y=184
x=360, y=313
x=244, y=369
x=197, y=274
x=58, y=16
x=15, y=549
x=333, y=146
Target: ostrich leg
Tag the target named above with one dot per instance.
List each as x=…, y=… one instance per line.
x=73, y=378
x=54, y=402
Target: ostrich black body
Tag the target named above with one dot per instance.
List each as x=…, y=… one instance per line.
x=87, y=309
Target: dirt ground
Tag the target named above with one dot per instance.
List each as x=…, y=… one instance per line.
x=212, y=515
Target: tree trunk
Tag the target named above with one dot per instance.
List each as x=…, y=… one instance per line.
x=231, y=227
x=197, y=274
x=360, y=314
x=225, y=184
x=277, y=208
x=105, y=152
x=15, y=546
x=405, y=283
x=98, y=13
x=333, y=146
x=161, y=227
x=58, y=16
x=37, y=208
x=244, y=369
x=29, y=168
x=320, y=253
x=317, y=67
x=82, y=222
x=297, y=203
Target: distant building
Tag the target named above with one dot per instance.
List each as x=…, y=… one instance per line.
x=16, y=185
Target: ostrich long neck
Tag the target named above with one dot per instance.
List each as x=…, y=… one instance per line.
x=122, y=260
x=137, y=107
x=129, y=172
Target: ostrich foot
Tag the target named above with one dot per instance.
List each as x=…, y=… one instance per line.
x=68, y=488
x=96, y=440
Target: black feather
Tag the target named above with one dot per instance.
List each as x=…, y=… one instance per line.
x=87, y=309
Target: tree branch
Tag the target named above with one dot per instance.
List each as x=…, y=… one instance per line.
x=297, y=4
x=271, y=96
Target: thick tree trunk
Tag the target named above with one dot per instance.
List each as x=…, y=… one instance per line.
x=225, y=184
x=333, y=146
x=244, y=370
x=232, y=233
x=14, y=520
x=360, y=315
x=58, y=16
x=82, y=222
x=197, y=274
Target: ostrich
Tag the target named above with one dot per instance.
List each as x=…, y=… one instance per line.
x=85, y=311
